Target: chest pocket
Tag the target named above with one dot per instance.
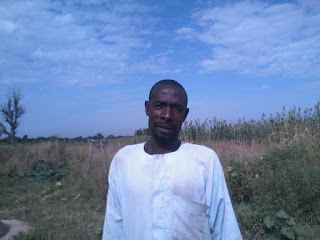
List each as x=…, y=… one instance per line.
x=189, y=191
x=190, y=221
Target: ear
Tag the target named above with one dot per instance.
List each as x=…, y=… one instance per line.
x=146, y=107
x=186, y=114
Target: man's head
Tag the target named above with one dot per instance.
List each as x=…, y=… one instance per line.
x=167, y=110
x=170, y=83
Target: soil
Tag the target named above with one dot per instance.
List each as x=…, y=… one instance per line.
x=10, y=228
x=4, y=229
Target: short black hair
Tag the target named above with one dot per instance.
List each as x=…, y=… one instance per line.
x=170, y=82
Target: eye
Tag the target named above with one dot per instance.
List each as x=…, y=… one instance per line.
x=158, y=105
x=178, y=108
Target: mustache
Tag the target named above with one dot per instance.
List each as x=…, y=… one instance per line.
x=164, y=125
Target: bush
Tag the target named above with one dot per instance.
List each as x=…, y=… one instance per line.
x=240, y=180
x=286, y=177
x=290, y=180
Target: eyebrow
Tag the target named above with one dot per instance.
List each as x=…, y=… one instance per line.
x=174, y=104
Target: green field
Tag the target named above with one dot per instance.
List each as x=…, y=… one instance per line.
x=272, y=168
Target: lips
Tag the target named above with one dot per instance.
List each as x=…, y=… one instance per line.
x=165, y=127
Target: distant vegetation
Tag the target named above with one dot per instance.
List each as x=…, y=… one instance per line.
x=284, y=126
x=278, y=128
x=272, y=166
x=26, y=139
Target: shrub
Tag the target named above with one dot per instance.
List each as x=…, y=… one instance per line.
x=286, y=177
x=240, y=180
x=290, y=180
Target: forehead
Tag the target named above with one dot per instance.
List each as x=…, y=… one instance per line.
x=168, y=92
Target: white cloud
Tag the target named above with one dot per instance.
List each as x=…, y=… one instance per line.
x=71, y=42
x=260, y=38
x=157, y=63
x=186, y=33
x=8, y=26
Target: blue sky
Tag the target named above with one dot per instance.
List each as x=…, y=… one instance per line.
x=87, y=66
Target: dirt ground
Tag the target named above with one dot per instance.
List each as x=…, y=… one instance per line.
x=15, y=227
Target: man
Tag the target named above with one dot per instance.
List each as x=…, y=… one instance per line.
x=164, y=188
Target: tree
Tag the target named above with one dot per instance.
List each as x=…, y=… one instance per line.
x=12, y=111
x=142, y=132
x=98, y=136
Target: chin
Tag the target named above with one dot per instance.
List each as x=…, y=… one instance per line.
x=165, y=138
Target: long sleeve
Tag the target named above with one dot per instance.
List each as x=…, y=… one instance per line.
x=113, y=224
x=221, y=218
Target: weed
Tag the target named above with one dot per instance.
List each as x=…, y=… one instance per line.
x=283, y=225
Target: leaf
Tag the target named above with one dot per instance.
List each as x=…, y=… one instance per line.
x=99, y=231
x=299, y=231
x=229, y=168
x=76, y=197
x=238, y=160
x=58, y=184
x=288, y=232
x=233, y=174
x=291, y=222
x=282, y=214
x=269, y=221
x=243, y=207
x=45, y=191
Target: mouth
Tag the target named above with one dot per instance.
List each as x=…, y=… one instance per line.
x=165, y=127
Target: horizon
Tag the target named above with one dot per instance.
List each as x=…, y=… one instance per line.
x=87, y=68
x=240, y=119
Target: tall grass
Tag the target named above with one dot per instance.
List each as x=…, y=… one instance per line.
x=278, y=128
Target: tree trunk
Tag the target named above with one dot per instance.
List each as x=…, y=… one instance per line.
x=12, y=136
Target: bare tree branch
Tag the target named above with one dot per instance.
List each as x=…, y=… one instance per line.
x=3, y=129
x=12, y=111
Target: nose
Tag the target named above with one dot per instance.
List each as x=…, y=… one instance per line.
x=167, y=113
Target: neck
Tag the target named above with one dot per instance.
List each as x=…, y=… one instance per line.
x=156, y=147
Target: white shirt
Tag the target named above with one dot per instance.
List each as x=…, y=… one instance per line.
x=177, y=195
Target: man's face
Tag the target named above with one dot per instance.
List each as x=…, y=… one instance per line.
x=167, y=111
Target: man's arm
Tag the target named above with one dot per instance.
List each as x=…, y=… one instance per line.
x=221, y=218
x=113, y=227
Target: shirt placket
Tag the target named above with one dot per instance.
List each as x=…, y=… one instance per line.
x=162, y=198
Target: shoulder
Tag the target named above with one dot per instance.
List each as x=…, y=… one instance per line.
x=199, y=153
x=123, y=158
x=129, y=150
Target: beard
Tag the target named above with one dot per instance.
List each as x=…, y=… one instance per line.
x=164, y=137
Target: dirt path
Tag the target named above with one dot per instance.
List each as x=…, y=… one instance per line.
x=15, y=227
